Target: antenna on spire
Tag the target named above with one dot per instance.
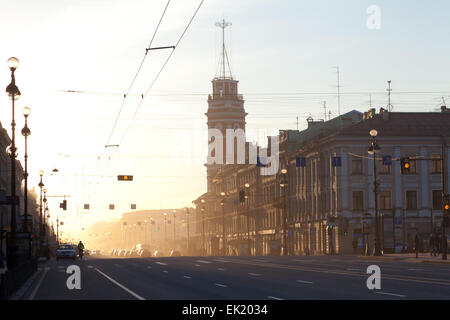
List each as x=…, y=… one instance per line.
x=389, y=90
x=223, y=25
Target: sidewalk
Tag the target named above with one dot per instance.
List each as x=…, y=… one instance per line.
x=410, y=257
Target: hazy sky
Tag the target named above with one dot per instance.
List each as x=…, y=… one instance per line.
x=282, y=52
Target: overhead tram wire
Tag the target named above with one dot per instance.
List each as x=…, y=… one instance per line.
x=131, y=86
x=137, y=73
x=159, y=73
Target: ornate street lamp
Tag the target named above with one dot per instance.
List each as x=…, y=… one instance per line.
x=284, y=185
x=374, y=149
x=26, y=133
x=13, y=93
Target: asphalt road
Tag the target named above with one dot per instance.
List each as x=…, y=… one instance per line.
x=239, y=278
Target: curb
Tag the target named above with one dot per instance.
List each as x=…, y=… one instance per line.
x=25, y=288
x=436, y=261
x=380, y=258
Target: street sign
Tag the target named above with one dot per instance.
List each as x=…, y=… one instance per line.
x=336, y=161
x=387, y=161
x=300, y=162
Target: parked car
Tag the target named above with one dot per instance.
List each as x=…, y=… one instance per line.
x=158, y=254
x=144, y=253
x=175, y=253
x=66, y=251
x=133, y=253
x=401, y=247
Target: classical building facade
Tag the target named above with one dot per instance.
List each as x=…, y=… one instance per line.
x=324, y=199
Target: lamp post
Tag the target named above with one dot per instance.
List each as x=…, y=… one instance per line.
x=249, y=249
x=165, y=229
x=187, y=217
x=151, y=227
x=203, y=226
x=13, y=93
x=45, y=234
x=283, y=185
x=26, y=133
x=174, y=238
x=41, y=233
x=374, y=149
x=222, y=203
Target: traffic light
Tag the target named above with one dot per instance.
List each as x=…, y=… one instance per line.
x=63, y=205
x=405, y=165
x=125, y=178
x=446, y=205
x=242, y=196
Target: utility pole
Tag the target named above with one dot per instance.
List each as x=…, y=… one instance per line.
x=338, y=89
x=325, y=111
x=444, y=194
x=57, y=229
x=174, y=238
x=187, y=217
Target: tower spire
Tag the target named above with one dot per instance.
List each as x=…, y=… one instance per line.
x=223, y=25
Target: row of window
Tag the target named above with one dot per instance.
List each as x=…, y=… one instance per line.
x=385, y=200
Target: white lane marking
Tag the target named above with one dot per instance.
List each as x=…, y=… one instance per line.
x=187, y=277
x=221, y=285
x=149, y=267
x=120, y=285
x=254, y=274
x=161, y=263
x=221, y=269
x=303, y=281
x=39, y=283
x=165, y=271
x=391, y=294
x=197, y=265
x=203, y=261
x=90, y=267
x=413, y=269
x=220, y=260
x=274, y=298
